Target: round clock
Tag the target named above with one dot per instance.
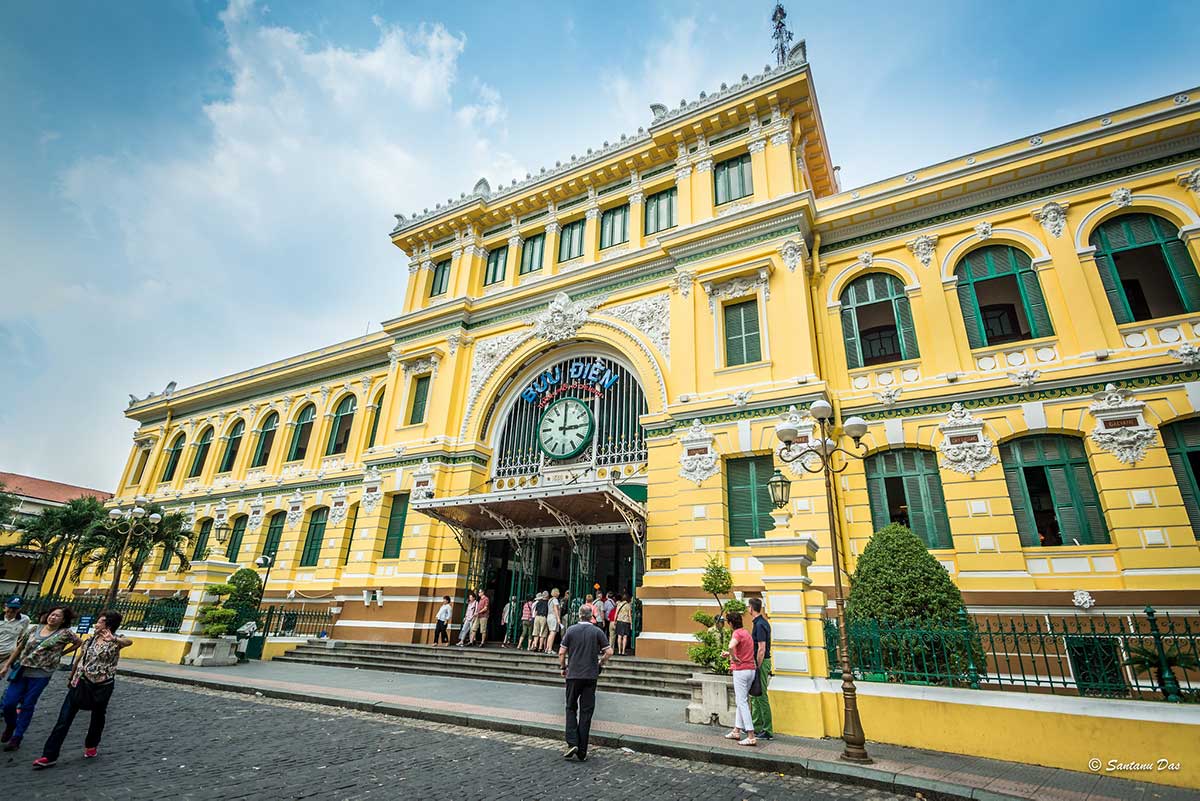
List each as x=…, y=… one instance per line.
x=565, y=428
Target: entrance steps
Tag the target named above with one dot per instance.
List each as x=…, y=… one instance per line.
x=622, y=674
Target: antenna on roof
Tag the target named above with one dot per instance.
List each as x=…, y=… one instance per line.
x=781, y=34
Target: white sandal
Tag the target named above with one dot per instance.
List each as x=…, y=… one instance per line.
x=748, y=741
x=734, y=735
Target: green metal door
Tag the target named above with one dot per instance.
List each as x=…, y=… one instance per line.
x=523, y=572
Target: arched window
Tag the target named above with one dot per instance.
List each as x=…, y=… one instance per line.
x=1183, y=449
x=1145, y=268
x=904, y=487
x=339, y=432
x=877, y=323
x=235, y=538
x=1000, y=297
x=376, y=413
x=302, y=433
x=232, y=446
x=274, y=533
x=315, y=537
x=173, y=454
x=202, y=446
x=266, y=438
x=1053, y=496
x=202, y=540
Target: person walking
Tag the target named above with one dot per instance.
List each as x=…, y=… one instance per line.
x=741, y=660
x=760, y=705
x=483, y=610
x=504, y=623
x=610, y=612
x=90, y=687
x=624, y=624
x=541, y=611
x=526, y=639
x=440, y=637
x=468, y=620
x=553, y=620
x=11, y=626
x=29, y=668
x=584, y=651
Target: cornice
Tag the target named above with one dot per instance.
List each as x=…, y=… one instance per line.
x=691, y=243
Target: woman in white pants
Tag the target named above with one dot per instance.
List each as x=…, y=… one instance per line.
x=468, y=619
x=741, y=660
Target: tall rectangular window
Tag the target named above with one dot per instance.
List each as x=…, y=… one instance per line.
x=496, y=261
x=198, y=552
x=420, y=396
x=732, y=179
x=274, y=534
x=531, y=254
x=440, y=280
x=660, y=211
x=743, y=343
x=350, y=535
x=139, y=465
x=747, y=498
x=166, y=559
x=570, y=241
x=395, y=529
x=315, y=538
x=614, y=226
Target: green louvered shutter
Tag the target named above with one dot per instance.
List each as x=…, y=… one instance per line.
x=752, y=339
x=939, y=530
x=1112, y=288
x=350, y=535
x=315, y=538
x=850, y=337
x=394, y=538
x=1186, y=278
x=970, y=312
x=877, y=495
x=1022, y=509
x=1035, y=305
x=908, y=333
x=420, y=396
x=918, y=508
x=1179, y=438
x=1071, y=525
x=747, y=498
x=1089, y=503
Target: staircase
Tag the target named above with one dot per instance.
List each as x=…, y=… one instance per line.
x=625, y=674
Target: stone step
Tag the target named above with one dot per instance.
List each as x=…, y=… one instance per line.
x=667, y=664
x=548, y=675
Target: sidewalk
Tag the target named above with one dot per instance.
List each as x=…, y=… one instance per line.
x=652, y=725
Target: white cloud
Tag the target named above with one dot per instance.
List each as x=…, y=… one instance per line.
x=269, y=240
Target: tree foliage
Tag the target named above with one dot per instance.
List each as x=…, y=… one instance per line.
x=58, y=530
x=8, y=505
x=713, y=639
x=247, y=589
x=214, y=617
x=897, y=580
x=100, y=546
x=716, y=580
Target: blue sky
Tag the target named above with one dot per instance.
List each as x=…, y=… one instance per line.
x=188, y=189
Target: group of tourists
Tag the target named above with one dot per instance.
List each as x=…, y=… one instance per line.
x=30, y=653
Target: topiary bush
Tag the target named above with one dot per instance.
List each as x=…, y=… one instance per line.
x=714, y=638
x=906, y=617
x=215, y=619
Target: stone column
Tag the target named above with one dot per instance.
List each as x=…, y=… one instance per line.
x=513, y=260
x=550, y=248
x=591, y=234
x=637, y=219
x=758, y=167
x=702, y=189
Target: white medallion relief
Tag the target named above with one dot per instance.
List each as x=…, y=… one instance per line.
x=1052, y=217
x=1187, y=353
x=1190, y=180
x=1120, y=424
x=983, y=230
x=922, y=247
x=1083, y=599
x=889, y=396
x=338, y=507
x=295, y=509
x=699, y=460
x=1024, y=378
x=964, y=447
x=649, y=316
x=1122, y=197
x=372, y=489
x=256, y=512
x=741, y=398
x=683, y=283
x=793, y=253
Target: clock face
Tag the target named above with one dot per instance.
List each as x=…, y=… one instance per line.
x=566, y=428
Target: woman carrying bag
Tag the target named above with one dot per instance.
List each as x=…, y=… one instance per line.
x=89, y=688
x=29, y=668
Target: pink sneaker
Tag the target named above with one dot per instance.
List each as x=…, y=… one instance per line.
x=42, y=762
x=89, y=753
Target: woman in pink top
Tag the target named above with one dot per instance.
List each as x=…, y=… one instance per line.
x=741, y=660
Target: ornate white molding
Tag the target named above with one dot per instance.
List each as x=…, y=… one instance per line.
x=741, y=397
x=737, y=287
x=515, y=241
x=257, y=506
x=784, y=137
x=889, y=396
x=757, y=146
x=372, y=489
x=562, y=319
x=295, y=509
x=801, y=451
x=1083, y=599
x=922, y=247
x=649, y=316
x=637, y=198
x=1025, y=378
x=1187, y=353
x=793, y=252
x=699, y=460
x=1190, y=180
x=683, y=282
x=488, y=355
x=964, y=447
x=734, y=208
x=189, y=516
x=457, y=340
x=683, y=172
x=1052, y=217
x=423, y=481
x=704, y=165
x=592, y=213
x=338, y=506
x=1120, y=424
x=421, y=364
x=1122, y=197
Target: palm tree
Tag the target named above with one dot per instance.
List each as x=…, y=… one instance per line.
x=106, y=548
x=1145, y=660
x=56, y=534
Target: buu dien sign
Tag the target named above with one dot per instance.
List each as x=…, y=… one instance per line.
x=589, y=374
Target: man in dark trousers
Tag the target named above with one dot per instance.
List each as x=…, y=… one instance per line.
x=760, y=706
x=583, y=651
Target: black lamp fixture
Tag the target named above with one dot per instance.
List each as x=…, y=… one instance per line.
x=780, y=489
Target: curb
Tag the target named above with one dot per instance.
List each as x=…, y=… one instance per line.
x=841, y=772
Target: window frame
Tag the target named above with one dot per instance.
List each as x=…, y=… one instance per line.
x=610, y=220
x=744, y=165
x=274, y=535
x=201, y=543
x=902, y=316
x=1014, y=463
x=759, y=497
x=727, y=338
x=393, y=539
x=203, y=446
x=235, y=537
x=314, y=537
x=262, y=454
x=376, y=412
x=174, y=454
x=439, y=279
x=654, y=205
x=526, y=267
x=343, y=413
x=496, y=265
x=924, y=478
x=572, y=232
x=1029, y=286
x=419, y=394
x=297, y=427
x=232, y=445
x=1184, y=277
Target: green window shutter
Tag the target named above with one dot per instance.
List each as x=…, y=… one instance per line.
x=1112, y=288
x=531, y=254
x=1088, y=500
x=235, y=539
x=1035, y=304
x=907, y=331
x=173, y=459
x=274, y=534
x=970, y=311
x=339, y=429
x=1022, y=509
x=660, y=211
x=748, y=499
x=266, y=438
x=1066, y=507
x=420, y=395
x=202, y=540
x=850, y=337
x=201, y=453
x=376, y=413
x=742, y=336
x=497, y=261
x=232, y=447
x=877, y=496
x=751, y=336
x=918, y=508
x=1179, y=438
x=166, y=559
x=570, y=241
x=614, y=226
x=350, y=535
x=734, y=354
x=1187, y=281
x=315, y=538
x=301, y=434
x=441, y=278
x=938, y=520
x=394, y=538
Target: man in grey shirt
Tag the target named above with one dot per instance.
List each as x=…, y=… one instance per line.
x=584, y=649
x=11, y=626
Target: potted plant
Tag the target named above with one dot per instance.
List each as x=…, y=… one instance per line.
x=216, y=621
x=712, y=688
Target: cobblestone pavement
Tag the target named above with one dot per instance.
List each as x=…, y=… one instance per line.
x=171, y=742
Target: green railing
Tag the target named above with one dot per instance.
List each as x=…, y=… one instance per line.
x=1147, y=655
x=159, y=614
x=282, y=621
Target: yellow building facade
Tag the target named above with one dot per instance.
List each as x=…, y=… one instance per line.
x=583, y=385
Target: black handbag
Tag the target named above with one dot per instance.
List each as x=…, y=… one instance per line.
x=88, y=695
x=756, y=688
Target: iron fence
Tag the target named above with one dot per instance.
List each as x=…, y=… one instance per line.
x=1147, y=655
x=158, y=614
x=280, y=621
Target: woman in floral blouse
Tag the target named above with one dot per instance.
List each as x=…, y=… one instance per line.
x=38, y=653
x=90, y=687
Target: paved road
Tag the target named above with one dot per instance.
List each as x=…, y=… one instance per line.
x=166, y=741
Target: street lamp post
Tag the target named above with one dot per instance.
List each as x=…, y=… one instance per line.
x=818, y=458
x=124, y=522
